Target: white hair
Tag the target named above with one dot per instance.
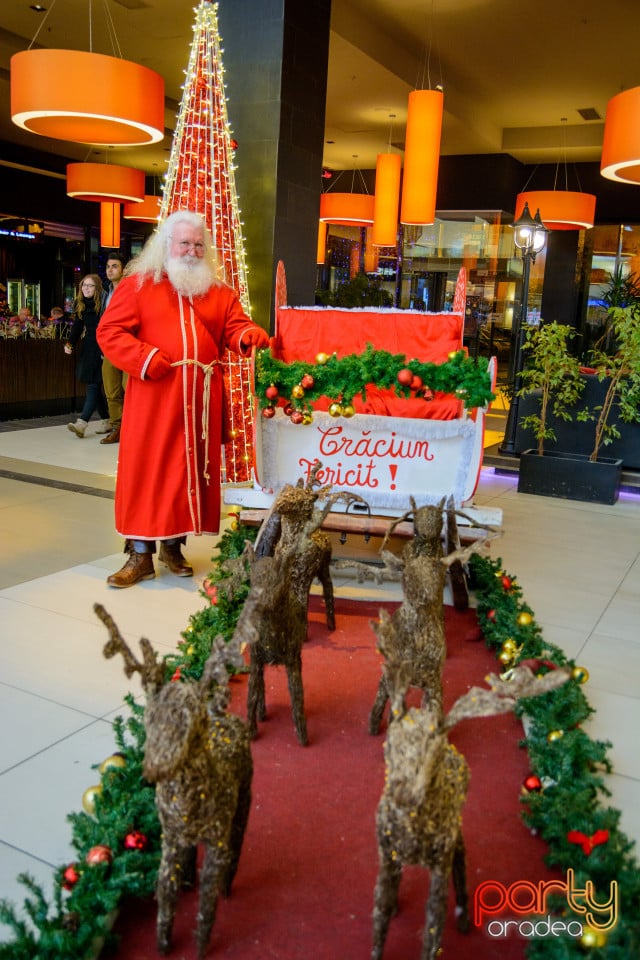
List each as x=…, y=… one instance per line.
x=152, y=259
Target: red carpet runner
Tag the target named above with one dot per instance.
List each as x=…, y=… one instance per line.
x=304, y=888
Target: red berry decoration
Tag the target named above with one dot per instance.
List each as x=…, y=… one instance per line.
x=268, y=412
x=70, y=877
x=271, y=392
x=135, y=841
x=99, y=854
x=491, y=615
x=506, y=582
x=307, y=381
x=532, y=784
x=405, y=376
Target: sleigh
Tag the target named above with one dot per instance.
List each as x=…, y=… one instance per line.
x=393, y=449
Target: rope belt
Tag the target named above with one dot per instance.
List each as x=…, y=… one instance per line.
x=207, y=370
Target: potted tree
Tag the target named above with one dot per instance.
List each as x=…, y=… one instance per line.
x=555, y=375
x=621, y=372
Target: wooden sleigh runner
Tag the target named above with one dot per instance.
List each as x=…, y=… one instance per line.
x=394, y=452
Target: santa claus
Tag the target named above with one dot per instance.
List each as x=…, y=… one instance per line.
x=168, y=324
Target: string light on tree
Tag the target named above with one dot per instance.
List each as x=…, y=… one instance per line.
x=201, y=177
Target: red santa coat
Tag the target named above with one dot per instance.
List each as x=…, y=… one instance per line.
x=161, y=488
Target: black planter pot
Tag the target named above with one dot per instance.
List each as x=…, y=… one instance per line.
x=571, y=476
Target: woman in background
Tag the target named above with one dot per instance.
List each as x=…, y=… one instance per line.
x=86, y=314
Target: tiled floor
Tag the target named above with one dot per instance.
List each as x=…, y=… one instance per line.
x=579, y=566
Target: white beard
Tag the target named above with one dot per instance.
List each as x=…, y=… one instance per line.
x=191, y=276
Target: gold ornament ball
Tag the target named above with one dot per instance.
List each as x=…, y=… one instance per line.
x=505, y=657
x=89, y=799
x=524, y=619
x=335, y=409
x=509, y=645
x=306, y=419
x=322, y=358
x=452, y=355
x=554, y=735
x=593, y=938
x=298, y=391
x=580, y=674
x=348, y=410
x=114, y=762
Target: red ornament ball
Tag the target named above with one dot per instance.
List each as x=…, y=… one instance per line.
x=288, y=410
x=405, y=376
x=416, y=382
x=307, y=381
x=135, y=841
x=271, y=392
x=491, y=615
x=532, y=784
x=70, y=877
x=268, y=412
x=297, y=417
x=99, y=854
x=506, y=582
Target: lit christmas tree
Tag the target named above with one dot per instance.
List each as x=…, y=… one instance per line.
x=200, y=177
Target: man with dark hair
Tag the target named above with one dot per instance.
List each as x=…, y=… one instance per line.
x=113, y=380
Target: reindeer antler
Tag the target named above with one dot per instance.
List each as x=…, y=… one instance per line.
x=504, y=693
x=151, y=671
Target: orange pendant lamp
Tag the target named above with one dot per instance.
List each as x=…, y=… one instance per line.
x=560, y=209
x=110, y=225
x=86, y=97
x=322, y=242
x=421, y=157
x=347, y=209
x=104, y=182
x=620, y=159
x=148, y=211
x=386, y=200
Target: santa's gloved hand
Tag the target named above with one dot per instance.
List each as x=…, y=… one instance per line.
x=255, y=337
x=158, y=367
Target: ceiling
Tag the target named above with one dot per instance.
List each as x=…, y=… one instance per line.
x=515, y=76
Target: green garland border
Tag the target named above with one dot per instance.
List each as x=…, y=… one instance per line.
x=341, y=379
x=567, y=762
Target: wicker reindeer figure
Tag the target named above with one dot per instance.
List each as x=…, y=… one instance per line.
x=418, y=623
x=419, y=815
x=199, y=757
x=273, y=621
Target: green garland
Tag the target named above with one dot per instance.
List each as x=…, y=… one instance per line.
x=569, y=766
x=341, y=379
x=566, y=761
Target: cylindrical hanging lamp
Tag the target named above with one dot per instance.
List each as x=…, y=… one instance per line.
x=560, y=209
x=371, y=252
x=620, y=158
x=322, y=242
x=110, y=225
x=347, y=209
x=147, y=211
x=421, y=157
x=386, y=200
x=106, y=182
x=86, y=97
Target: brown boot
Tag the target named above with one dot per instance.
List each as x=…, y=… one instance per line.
x=113, y=437
x=171, y=555
x=139, y=566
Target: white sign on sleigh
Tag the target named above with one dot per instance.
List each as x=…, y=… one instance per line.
x=386, y=460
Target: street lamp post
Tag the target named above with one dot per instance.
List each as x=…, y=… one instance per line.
x=530, y=235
